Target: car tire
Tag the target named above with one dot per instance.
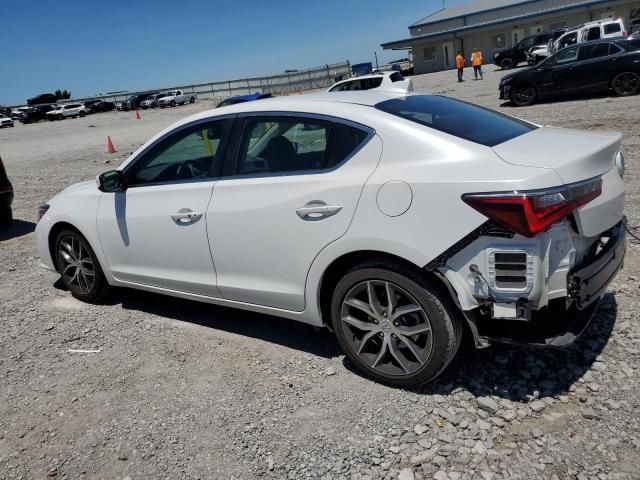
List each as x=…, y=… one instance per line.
x=523, y=95
x=77, y=265
x=626, y=84
x=192, y=100
x=506, y=64
x=60, y=117
x=82, y=114
x=173, y=103
x=6, y=216
x=376, y=338
x=153, y=105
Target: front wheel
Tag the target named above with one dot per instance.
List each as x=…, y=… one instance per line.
x=626, y=84
x=173, y=103
x=79, y=268
x=523, y=96
x=394, y=325
x=506, y=64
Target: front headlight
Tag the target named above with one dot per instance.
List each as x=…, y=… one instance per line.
x=495, y=55
x=42, y=210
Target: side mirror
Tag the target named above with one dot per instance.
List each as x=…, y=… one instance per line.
x=111, y=181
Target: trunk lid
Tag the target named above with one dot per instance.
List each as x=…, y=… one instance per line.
x=575, y=156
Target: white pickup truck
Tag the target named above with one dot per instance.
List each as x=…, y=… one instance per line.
x=176, y=97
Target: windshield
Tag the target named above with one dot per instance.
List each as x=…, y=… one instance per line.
x=458, y=118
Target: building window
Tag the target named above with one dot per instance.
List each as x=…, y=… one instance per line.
x=499, y=40
x=430, y=53
x=557, y=26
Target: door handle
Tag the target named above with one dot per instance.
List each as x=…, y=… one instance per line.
x=185, y=216
x=316, y=210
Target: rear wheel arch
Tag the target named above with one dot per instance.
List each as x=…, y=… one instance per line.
x=348, y=261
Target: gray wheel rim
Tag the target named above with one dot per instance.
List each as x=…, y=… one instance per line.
x=627, y=83
x=76, y=264
x=386, y=327
x=524, y=95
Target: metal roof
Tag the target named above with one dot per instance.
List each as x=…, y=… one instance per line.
x=466, y=9
x=569, y=5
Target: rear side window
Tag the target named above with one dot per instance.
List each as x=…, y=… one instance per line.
x=283, y=145
x=612, y=28
x=593, y=34
x=595, y=51
x=461, y=119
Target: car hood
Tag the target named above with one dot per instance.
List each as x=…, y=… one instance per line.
x=575, y=155
x=500, y=50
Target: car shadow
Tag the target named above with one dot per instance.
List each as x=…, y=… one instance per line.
x=521, y=373
x=288, y=333
x=18, y=228
x=563, y=99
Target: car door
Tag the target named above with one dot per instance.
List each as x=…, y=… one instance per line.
x=292, y=189
x=154, y=233
x=595, y=66
x=560, y=77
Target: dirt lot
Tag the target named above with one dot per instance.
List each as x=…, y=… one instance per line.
x=184, y=390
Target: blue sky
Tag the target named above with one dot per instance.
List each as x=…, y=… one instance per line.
x=92, y=46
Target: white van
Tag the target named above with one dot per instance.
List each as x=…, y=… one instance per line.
x=608, y=28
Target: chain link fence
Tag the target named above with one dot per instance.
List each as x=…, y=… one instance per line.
x=282, y=84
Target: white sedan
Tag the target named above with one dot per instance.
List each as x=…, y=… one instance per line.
x=388, y=81
x=403, y=223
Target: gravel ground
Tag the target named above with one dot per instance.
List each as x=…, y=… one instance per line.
x=185, y=390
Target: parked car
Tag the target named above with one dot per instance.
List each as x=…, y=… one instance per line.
x=36, y=113
x=366, y=239
x=243, y=98
x=134, y=101
x=602, y=65
x=5, y=121
x=507, y=58
x=6, y=198
x=15, y=113
x=72, y=110
x=537, y=54
x=42, y=98
x=88, y=103
x=102, y=106
x=608, y=28
x=391, y=81
x=151, y=101
x=176, y=97
x=6, y=111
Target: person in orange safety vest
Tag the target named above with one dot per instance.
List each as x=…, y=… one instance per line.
x=460, y=65
x=476, y=62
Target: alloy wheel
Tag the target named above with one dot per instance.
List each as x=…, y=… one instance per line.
x=524, y=95
x=626, y=84
x=386, y=327
x=76, y=264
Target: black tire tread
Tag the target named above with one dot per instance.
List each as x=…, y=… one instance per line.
x=440, y=297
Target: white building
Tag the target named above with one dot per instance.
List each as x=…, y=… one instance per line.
x=492, y=24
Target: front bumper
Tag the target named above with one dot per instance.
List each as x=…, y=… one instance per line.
x=6, y=124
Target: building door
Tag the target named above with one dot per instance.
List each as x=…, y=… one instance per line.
x=517, y=35
x=536, y=29
x=448, y=55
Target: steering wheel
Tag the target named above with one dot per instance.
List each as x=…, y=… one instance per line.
x=191, y=169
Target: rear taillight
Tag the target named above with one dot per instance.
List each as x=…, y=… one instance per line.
x=531, y=212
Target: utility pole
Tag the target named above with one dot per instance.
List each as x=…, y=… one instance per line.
x=376, y=55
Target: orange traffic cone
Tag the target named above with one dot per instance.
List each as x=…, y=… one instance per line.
x=110, y=148
x=137, y=115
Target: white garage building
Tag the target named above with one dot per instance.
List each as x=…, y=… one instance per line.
x=492, y=24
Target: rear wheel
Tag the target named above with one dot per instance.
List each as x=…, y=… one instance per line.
x=523, y=95
x=396, y=327
x=82, y=114
x=6, y=215
x=79, y=267
x=506, y=64
x=192, y=100
x=626, y=84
